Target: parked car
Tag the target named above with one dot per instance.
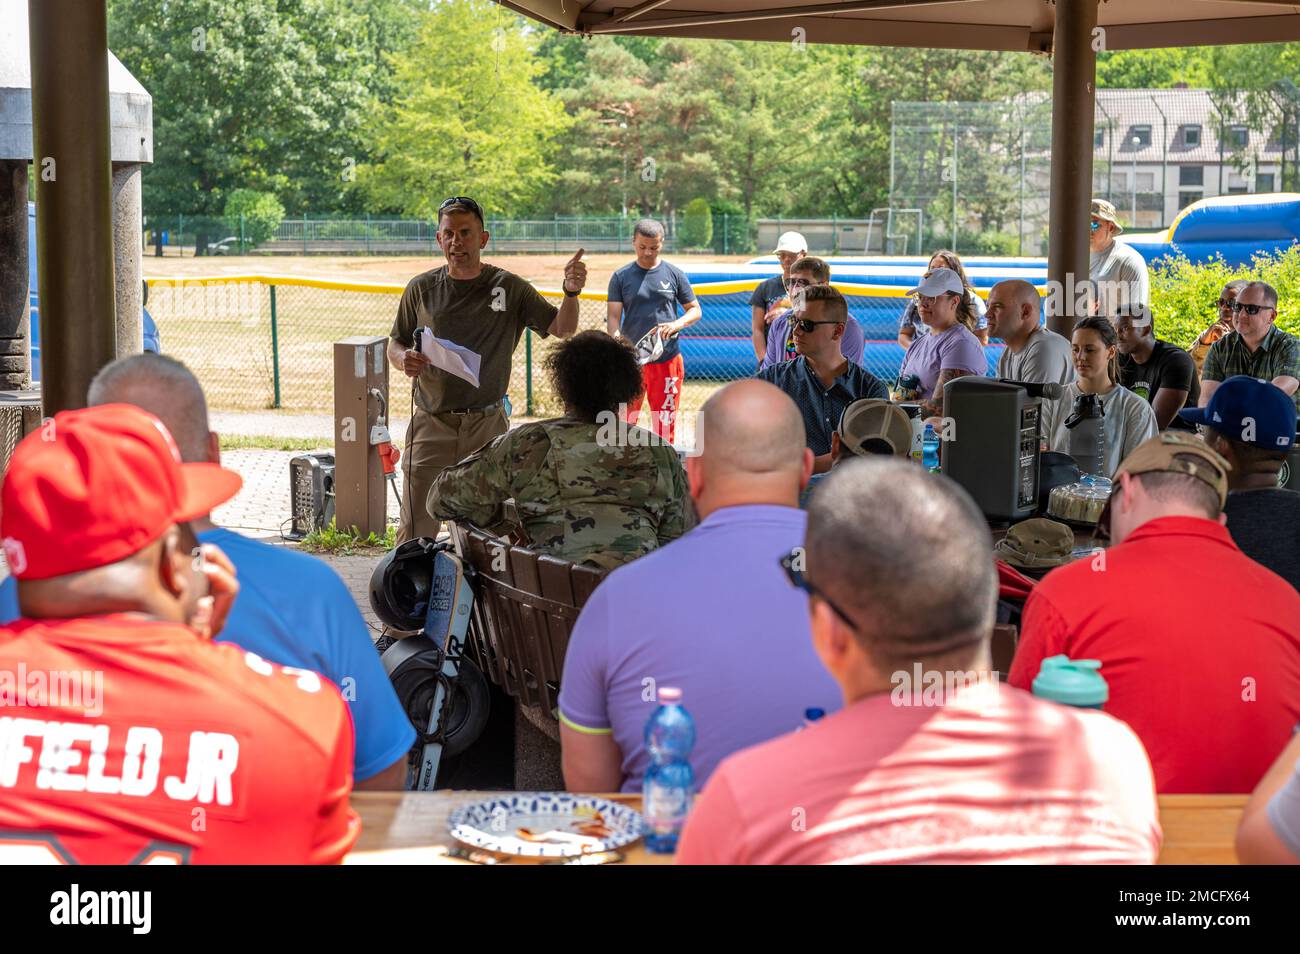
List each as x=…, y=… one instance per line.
x=152, y=342
x=227, y=246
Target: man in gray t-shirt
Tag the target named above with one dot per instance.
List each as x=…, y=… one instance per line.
x=1033, y=353
x=1116, y=271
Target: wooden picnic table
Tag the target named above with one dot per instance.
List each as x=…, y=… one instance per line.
x=411, y=828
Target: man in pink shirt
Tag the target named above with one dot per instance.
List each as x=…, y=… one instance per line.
x=970, y=771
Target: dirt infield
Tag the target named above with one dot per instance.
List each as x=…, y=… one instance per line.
x=543, y=269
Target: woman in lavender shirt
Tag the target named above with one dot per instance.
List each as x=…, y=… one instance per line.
x=951, y=349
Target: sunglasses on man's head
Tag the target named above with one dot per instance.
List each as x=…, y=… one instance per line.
x=797, y=578
x=464, y=200
x=1249, y=309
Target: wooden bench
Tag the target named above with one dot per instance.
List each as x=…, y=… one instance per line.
x=524, y=610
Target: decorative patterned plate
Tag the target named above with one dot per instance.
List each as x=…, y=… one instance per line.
x=546, y=824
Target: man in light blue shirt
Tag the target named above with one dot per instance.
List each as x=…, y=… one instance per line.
x=291, y=608
x=711, y=613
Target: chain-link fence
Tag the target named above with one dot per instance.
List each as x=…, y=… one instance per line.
x=723, y=233
x=975, y=176
x=258, y=342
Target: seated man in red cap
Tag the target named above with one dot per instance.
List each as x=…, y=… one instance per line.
x=129, y=736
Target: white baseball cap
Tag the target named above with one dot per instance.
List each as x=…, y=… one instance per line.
x=939, y=280
x=791, y=242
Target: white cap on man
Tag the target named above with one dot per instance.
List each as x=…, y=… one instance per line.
x=939, y=280
x=792, y=242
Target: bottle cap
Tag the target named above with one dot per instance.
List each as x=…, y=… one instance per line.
x=669, y=696
x=1074, y=682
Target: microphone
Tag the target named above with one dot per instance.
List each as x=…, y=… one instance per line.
x=1046, y=389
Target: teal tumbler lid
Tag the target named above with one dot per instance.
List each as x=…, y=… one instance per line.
x=1073, y=682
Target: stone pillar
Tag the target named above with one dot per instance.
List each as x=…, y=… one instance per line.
x=14, y=303
x=128, y=232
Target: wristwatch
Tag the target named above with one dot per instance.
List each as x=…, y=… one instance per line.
x=569, y=294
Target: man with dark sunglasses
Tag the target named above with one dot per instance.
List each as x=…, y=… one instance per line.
x=1256, y=348
x=476, y=306
x=804, y=273
x=820, y=380
x=930, y=760
x=1116, y=270
x=1222, y=323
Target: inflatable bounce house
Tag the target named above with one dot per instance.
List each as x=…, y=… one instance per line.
x=718, y=346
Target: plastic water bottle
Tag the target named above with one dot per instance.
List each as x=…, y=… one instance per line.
x=930, y=449
x=669, y=782
x=1072, y=682
x=811, y=715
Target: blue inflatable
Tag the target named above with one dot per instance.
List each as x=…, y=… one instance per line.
x=1238, y=227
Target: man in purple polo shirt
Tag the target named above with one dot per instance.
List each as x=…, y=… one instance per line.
x=711, y=612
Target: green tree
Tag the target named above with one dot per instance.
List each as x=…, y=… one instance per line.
x=253, y=216
x=262, y=94
x=1155, y=69
x=697, y=224
x=470, y=119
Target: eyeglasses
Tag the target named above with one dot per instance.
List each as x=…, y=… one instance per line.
x=797, y=578
x=464, y=200
x=801, y=282
x=1249, y=309
x=808, y=326
x=930, y=302
x=1094, y=225
x=1226, y=303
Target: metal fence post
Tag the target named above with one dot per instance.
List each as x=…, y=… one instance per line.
x=180, y=234
x=275, y=350
x=304, y=233
x=241, y=233
x=528, y=372
x=367, y=233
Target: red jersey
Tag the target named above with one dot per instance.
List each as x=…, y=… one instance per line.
x=1199, y=644
x=126, y=740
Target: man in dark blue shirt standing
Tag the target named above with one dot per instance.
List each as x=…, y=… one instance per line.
x=820, y=380
x=642, y=307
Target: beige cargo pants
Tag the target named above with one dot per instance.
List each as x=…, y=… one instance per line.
x=435, y=441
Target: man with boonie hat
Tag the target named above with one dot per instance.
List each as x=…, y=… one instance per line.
x=1252, y=424
x=149, y=721
x=1036, y=544
x=1116, y=270
x=1178, y=617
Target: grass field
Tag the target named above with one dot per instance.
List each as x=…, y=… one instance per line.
x=224, y=331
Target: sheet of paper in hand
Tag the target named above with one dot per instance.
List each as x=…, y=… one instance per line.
x=451, y=357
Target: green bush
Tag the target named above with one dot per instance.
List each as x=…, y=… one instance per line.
x=696, y=230
x=731, y=231
x=261, y=211
x=1184, y=296
x=999, y=244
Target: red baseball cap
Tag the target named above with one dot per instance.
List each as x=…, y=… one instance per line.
x=94, y=486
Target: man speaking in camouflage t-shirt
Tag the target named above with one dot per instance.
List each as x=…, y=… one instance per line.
x=476, y=306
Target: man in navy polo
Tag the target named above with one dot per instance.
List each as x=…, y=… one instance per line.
x=643, y=298
x=1252, y=424
x=820, y=380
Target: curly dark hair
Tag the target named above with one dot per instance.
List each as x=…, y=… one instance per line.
x=593, y=372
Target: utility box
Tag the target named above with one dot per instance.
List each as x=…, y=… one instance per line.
x=360, y=401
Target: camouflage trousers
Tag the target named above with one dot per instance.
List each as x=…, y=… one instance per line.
x=433, y=442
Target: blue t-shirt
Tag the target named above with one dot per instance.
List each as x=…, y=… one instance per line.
x=294, y=610
x=650, y=298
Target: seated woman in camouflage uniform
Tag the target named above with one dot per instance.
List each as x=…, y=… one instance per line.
x=586, y=488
